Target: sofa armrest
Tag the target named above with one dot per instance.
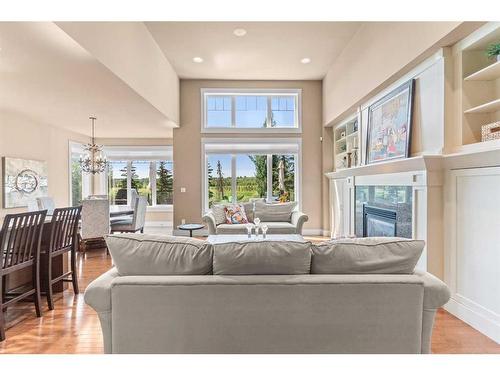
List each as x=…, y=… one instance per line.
x=436, y=293
x=209, y=219
x=98, y=293
x=298, y=220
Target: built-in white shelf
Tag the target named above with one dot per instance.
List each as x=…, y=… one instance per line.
x=490, y=73
x=489, y=107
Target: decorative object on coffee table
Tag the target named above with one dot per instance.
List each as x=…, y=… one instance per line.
x=190, y=228
x=389, y=125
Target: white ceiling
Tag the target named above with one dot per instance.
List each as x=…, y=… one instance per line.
x=47, y=76
x=269, y=50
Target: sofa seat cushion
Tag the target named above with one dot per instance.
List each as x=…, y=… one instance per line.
x=232, y=229
x=262, y=257
x=279, y=227
x=382, y=255
x=274, y=212
x=145, y=254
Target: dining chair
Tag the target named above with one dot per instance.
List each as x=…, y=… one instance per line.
x=95, y=221
x=33, y=205
x=63, y=239
x=20, y=240
x=136, y=222
x=46, y=203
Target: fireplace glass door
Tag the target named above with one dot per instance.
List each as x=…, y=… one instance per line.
x=383, y=211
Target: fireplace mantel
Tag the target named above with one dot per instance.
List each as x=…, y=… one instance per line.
x=416, y=163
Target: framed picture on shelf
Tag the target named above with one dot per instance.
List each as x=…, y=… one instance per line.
x=389, y=125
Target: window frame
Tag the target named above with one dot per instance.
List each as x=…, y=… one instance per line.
x=87, y=179
x=296, y=142
x=152, y=180
x=269, y=93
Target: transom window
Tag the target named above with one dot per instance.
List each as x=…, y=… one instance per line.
x=250, y=110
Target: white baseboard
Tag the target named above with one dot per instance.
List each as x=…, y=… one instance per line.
x=158, y=224
x=312, y=232
x=474, y=317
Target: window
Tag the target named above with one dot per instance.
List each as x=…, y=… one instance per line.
x=245, y=171
x=117, y=182
x=250, y=110
x=79, y=181
x=151, y=179
x=146, y=170
x=164, y=182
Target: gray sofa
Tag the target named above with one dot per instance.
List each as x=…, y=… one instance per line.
x=279, y=218
x=179, y=295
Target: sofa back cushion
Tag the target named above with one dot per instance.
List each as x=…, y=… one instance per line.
x=145, y=254
x=274, y=212
x=219, y=211
x=383, y=255
x=262, y=258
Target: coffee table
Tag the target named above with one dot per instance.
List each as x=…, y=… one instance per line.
x=224, y=238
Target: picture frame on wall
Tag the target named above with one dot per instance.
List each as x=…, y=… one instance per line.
x=23, y=180
x=389, y=125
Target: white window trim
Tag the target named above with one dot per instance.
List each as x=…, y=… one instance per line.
x=231, y=141
x=87, y=180
x=255, y=91
x=154, y=207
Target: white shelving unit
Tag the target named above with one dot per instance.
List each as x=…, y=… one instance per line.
x=491, y=72
x=346, y=142
x=489, y=107
x=478, y=84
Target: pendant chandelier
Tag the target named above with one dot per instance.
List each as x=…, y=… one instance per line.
x=93, y=161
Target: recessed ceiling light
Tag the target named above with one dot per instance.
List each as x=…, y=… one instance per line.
x=305, y=60
x=197, y=59
x=240, y=32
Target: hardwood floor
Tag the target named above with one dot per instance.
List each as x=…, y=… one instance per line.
x=73, y=327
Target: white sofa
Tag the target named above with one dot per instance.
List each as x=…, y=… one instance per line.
x=279, y=218
x=179, y=295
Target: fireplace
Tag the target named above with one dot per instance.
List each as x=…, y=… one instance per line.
x=383, y=211
x=379, y=222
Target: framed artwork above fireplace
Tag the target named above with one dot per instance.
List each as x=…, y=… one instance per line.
x=389, y=125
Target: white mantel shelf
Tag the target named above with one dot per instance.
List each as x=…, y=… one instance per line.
x=416, y=163
x=485, y=156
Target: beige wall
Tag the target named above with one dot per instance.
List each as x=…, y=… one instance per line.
x=378, y=52
x=130, y=52
x=187, y=147
x=22, y=137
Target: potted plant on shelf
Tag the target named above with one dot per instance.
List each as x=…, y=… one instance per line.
x=493, y=51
